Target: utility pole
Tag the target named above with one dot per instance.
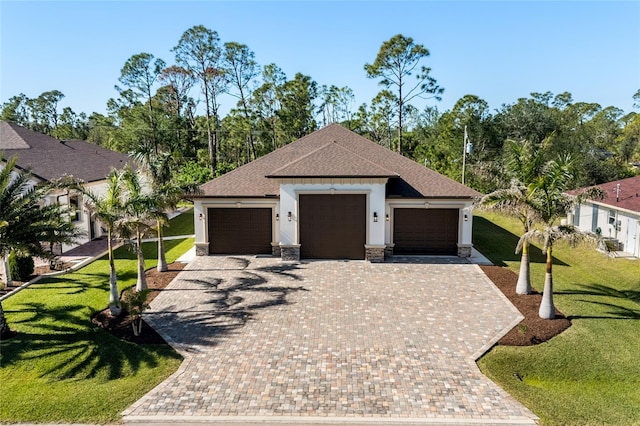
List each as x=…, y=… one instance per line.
x=467, y=146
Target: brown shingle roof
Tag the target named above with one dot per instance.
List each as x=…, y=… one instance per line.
x=629, y=197
x=413, y=180
x=48, y=158
x=331, y=160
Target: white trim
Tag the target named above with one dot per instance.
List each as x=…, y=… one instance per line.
x=330, y=181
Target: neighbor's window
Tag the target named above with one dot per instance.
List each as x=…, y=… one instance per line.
x=74, y=208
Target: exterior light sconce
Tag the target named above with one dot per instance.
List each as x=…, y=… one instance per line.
x=375, y=216
x=277, y=217
x=289, y=216
x=386, y=217
x=200, y=216
x=466, y=217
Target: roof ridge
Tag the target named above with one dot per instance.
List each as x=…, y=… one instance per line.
x=391, y=172
x=327, y=145
x=301, y=158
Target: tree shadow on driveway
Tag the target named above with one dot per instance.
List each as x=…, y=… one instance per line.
x=225, y=302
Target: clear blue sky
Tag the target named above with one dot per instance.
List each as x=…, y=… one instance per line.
x=499, y=51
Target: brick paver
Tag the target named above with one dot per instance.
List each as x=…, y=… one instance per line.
x=331, y=339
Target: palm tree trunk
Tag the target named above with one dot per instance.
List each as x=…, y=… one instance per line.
x=141, y=284
x=547, y=309
x=7, y=271
x=162, y=259
x=4, y=327
x=114, y=297
x=524, y=278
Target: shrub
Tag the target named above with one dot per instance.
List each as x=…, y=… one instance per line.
x=136, y=303
x=21, y=267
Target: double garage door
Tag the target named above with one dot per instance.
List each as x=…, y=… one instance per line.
x=333, y=227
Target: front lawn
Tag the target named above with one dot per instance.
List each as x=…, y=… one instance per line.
x=62, y=368
x=590, y=373
x=181, y=224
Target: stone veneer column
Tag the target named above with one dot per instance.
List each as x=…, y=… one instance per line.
x=464, y=250
x=202, y=249
x=290, y=252
x=275, y=249
x=374, y=253
x=388, y=250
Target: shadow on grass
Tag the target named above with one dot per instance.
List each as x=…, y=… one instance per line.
x=75, y=349
x=601, y=290
x=499, y=244
x=226, y=304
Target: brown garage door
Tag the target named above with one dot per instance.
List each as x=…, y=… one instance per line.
x=239, y=231
x=425, y=231
x=332, y=226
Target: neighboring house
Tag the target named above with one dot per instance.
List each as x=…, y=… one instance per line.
x=49, y=159
x=616, y=217
x=333, y=195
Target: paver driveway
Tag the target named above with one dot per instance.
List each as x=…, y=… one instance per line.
x=339, y=340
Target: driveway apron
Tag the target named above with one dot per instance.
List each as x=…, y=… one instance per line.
x=330, y=340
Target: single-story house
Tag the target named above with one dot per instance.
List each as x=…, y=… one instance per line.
x=616, y=217
x=333, y=194
x=49, y=159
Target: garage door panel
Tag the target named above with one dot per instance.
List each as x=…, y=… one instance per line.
x=240, y=231
x=332, y=226
x=425, y=231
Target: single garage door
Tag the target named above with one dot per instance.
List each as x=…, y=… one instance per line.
x=425, y=231
x=332, y=226
x=240, y=231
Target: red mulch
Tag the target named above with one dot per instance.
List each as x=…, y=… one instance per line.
x=120, y=326
x=532, y=330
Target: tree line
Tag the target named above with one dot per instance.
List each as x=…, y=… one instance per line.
x=175, y=110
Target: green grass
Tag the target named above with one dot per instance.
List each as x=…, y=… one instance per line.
x=62, y=368
x=181, y=224
x=590, y=374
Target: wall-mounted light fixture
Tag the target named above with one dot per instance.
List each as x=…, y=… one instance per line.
x=466, y=217
x=386, y=217
x=277, y=217
x=289, y=216
x=375, y=216
x=201, y=216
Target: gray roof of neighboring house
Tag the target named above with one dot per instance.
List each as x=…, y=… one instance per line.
x=628, y=198
x=49, y=158
x=335, y=152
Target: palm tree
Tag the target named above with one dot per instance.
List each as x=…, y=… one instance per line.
x=157, y=166
x=552, y=204
x=26, y=225
x=108, y=208
x=524, y=162
x=140, y=209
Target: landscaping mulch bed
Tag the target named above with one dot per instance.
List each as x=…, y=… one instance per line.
x=532, y=330
x=120, y=326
